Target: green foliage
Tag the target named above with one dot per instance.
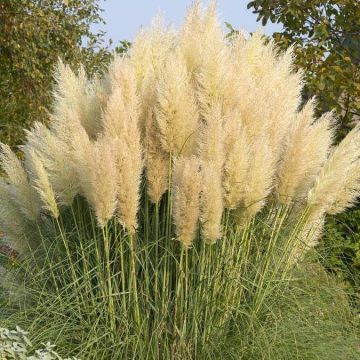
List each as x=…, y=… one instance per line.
x=123, y=47
x=325, y=37
x=34, y=34
x=340, y=251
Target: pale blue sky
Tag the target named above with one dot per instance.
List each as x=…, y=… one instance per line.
x=123, y=18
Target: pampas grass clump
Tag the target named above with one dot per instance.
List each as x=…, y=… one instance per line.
x=169, y=194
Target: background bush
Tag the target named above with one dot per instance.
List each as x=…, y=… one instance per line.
x=339, y=251
x=34, y=34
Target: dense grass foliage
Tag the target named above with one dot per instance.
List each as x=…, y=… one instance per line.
x=240, y=297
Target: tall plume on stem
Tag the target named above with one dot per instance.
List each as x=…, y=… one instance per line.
x=260, y=69
x=129, y=170
x=39, y=180
x=12, y=222
x=186, y=192
x=212, y=203
x=55, y=155
x=212, y=78
x=338, y=184
x=259, y=180
x=21, y=190
x=76, y=93
x=121, y=130
x=307, y=148
x=148, y=54
x=212, y=86
x=212, y=159
x=191, y=38
x=157, y=161
x=237, y=159
x=265, y=126
x=176, y=112
x=96, y=169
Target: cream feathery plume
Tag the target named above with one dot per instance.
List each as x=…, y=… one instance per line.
x=101, y=87
x=150, y=48
x=213, y=77
x=212, y=155
x=211, y=145
x=211, y=202
x=12, y=223
x=129, y=168
x=63, y=126
x=259, y=70
x=120, y=118
x=148, y=98
x=12, y=166
x=148, y=53
x=338, y=184
x=77, y=94
x=190, y=38
x=259, y=180
x=22, y=193
x=104, y=180
x=259, y=57
x=307, y=148
x=237, y=158
x=186, y=198
x=97, y=174
x=121, y=128
x=250, y=101
x=308, y=237
x=122, y=74
x=176, y=111
x=202, y=43
x=121, y=115
x=157, y=162
x=39, y=180
x=285, y=100
x=55, y=155
x=348, y=195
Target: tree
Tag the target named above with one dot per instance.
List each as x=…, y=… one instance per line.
x=326, y=40
x=33, y=35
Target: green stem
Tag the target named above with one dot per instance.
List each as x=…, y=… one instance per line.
x=106, y=239
x=133, y=282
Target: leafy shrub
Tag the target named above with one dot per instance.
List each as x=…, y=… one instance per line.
x=33, y=36
x=339, y=251
x=170, y=197
x=15, y=345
